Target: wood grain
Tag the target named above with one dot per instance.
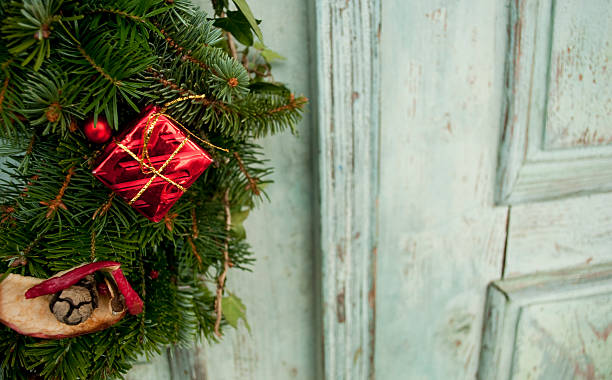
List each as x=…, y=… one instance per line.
x=559, y=234
x=580, y=84
x=155, y=368
x=545, y=102
x=441, y=237
x=551, y=325
x=348, y=125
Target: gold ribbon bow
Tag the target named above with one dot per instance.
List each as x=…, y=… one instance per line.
x=146, y=166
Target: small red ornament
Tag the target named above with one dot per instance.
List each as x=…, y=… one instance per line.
x=153, y=274
x=97, y=133
x=151, y=183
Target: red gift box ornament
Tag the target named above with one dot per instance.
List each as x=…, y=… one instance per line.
x=152, y=163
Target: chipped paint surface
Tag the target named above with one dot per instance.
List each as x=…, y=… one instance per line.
x=558, y=340
x=551, y=325
x=441, y=237
x=580, y=83
x=348, y=159
x=557, y=101
x=559, y=234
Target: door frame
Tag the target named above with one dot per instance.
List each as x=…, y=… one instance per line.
x=347, y=39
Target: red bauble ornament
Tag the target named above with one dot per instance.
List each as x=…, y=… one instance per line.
x=97, y=133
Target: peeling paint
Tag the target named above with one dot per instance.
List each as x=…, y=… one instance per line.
x=340, y=307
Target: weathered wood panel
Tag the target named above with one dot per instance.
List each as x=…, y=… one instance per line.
x=347, y=116
x=441, y=238
x=540, y=105
x=580, y=84
x=559, y=234
x=549, y=326
x=156, y=368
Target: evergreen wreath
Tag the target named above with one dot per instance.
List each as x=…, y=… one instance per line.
x=64, y=61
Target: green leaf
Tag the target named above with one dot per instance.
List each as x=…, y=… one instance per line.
x=268, y=54
x=234, y=310
x=238, y=219
x=237, y=25
x=270, y=88
x=246, y=11
x=271, y=55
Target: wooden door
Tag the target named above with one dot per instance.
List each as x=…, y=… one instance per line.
x=553, y=172
x=446, y=211
x=494, y=167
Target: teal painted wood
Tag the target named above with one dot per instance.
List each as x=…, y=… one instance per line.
x=549, y=326
x=348, y=125
x=441, y=236
x=579, y=95
x=559, y=234
x=155, y=369
x=187, y=364
x=554, y=46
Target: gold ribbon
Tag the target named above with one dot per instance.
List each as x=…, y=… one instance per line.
x=146, y=166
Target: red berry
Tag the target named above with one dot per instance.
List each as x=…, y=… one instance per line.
x=100, y=132
x=153, y=274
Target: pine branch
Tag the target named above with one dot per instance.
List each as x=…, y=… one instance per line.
x=185, y=54
x=97, y=67
x=55, y=215
x=183, y=92
x=56, y=203
x=252, y=181
x=5, y=84
x=226, y=263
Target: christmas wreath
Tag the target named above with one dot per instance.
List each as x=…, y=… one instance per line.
x=128, y=164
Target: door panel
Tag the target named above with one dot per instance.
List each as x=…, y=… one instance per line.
x=441, y=236
x=549, y=326
x=558, y=101
x=555, y=144
x=579, y=82
x=559, y=234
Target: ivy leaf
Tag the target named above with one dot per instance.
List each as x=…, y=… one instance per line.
x=237, y=25
x=246, y=11
x=238, y=219
x=271, y=55
x=268, y=54
x=234, y=310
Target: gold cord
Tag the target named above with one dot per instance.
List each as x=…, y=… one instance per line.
x=146, y=166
